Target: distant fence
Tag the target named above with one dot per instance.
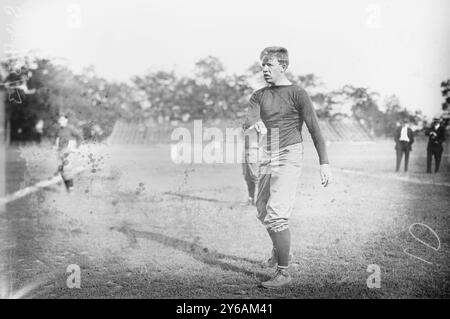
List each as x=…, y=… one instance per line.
x=140, y=133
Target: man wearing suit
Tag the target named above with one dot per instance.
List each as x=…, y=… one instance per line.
x=436, y=137
x=404, y=138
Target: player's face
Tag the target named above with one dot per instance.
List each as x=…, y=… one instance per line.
x=272, y=69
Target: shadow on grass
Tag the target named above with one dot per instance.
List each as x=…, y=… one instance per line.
x=213, y=200
x=197, y=251
x=53, y=188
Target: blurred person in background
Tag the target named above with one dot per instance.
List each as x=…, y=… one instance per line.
x=39, y=128
x=67, y=140
x=404, y=139
x=250, y=164
x=436, y=136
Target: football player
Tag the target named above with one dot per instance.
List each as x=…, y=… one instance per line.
x=282, y=108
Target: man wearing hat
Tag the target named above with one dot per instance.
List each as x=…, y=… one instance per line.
x=404, y=139
x=436, y=136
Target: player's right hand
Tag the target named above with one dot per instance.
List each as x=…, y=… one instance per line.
x=325, y=174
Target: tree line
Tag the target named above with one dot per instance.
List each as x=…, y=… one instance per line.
x=43, y=89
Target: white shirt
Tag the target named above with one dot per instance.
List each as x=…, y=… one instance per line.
x=72, y=145
x=404, y=134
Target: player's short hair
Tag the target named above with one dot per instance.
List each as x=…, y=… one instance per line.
x=62, y=121
x=280, y=53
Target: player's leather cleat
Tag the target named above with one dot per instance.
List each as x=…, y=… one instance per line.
x=279, y=280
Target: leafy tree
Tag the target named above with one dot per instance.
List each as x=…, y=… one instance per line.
x=209, y=68
x=51, y=90
x=326, y=104
x=364, y=108
x=395, y=113
x=307, y=81
x=445, y=90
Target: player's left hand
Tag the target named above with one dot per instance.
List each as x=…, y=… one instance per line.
x=325, y=174
x=259, y=127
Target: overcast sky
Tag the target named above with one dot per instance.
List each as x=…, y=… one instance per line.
x=392, y=47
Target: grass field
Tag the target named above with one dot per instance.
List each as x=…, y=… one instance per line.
x=140, y=226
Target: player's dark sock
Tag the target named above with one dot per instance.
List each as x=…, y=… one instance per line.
x=251, y=189
x=282, y=243
x=272, y=238
x=68, y=183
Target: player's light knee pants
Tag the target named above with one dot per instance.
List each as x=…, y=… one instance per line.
x=277, y=186
x=66, y=158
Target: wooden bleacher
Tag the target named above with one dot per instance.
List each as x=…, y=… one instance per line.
x=138, y=133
